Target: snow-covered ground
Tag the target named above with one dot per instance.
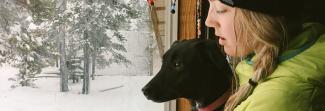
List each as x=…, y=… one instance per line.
x=126, y=82
x=128, y=97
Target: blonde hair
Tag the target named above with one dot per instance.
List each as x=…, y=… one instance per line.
x=267, y=37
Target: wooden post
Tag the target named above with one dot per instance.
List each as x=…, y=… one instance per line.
x=187, y=30
x=187, y=19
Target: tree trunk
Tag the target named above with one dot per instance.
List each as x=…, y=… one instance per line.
x=86, y=80
x=63, y=66
x=57, y=62
x=85, y=88
x=61, y=40
x=93, y=66
x=23, y=73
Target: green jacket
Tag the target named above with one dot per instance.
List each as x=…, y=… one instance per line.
x=298, y=83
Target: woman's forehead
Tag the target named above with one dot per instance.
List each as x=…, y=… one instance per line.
x=217, y=3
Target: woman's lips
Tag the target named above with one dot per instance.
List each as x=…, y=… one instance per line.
x=222, y=40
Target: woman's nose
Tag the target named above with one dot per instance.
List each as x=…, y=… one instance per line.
x=211, y=19
x=208, y=21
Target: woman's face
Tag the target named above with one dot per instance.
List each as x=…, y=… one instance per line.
x=221, y=18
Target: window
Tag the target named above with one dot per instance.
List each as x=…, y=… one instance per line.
x=72, y=55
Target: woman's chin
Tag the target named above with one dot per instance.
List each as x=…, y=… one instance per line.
x=233, y=53
x=229, y=52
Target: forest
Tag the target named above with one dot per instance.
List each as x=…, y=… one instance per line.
x=77, y=36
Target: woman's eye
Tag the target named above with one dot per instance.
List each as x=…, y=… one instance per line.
x=220, y=11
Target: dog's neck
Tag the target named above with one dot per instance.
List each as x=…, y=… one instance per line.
x=217, y=103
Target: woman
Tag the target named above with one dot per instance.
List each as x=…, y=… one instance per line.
x=284, y=65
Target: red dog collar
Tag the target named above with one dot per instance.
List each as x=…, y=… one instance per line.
x=217, y=103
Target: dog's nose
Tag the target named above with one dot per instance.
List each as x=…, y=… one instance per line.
x=145, y=91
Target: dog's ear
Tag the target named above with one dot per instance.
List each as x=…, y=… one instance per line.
x=175, y=43
x=210, y=50
x=203, y=44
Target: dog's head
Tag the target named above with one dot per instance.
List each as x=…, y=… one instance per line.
x=191, y=69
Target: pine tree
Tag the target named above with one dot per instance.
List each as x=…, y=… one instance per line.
x=61, y=7
x=82, y=28
x=23, y=45
x=97, y=23
x=51, y=14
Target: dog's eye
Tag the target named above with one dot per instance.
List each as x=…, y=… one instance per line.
x=177, y=64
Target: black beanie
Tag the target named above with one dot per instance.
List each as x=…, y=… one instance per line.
x=272, y=7
x=308, y=10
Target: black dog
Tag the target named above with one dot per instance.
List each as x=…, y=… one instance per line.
x=193, y=69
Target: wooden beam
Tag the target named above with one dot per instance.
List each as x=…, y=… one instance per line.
x=187, y=19
x=184, y=105
x=161, y=22
x=154, y=19
x=160, y=8
x=187, y=30
x=162, y=30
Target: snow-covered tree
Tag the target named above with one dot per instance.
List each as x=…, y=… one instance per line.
x=92, y=30
x=102, y=20
x=97, y=25
x=35, y=32
x=9, y=24
x=22, y=41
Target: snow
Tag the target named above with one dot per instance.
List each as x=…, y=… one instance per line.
x=128, y=97
x=48, y=98
x=136, y=45
x=15, y=28
x=32, y=26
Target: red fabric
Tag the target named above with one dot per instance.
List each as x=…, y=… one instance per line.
x=150, y=2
